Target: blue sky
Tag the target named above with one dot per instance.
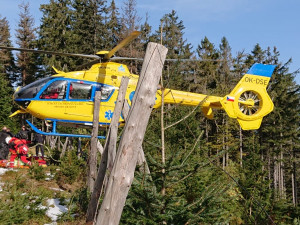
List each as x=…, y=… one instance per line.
x=243, y=22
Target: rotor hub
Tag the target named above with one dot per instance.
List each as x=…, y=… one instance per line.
x=250, y=103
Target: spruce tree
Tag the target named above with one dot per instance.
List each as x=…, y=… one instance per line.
x=113, y=26
x=207, y=66
x=88, y=26
x=55, y=34
x=6, y=72
x=146, y=30
x=269, y=183
x=6, y=56
x=25, y=34
x=130, y=21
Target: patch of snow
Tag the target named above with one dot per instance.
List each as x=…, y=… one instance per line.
x=50, y=176
x=55, y=209
x=3, y=170
x=56, y=189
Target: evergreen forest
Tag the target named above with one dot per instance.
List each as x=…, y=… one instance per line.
x=201, y=171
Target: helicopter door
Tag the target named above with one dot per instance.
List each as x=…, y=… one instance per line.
x=107, y=105
x=79, y=104
x=56, y=90
x=52, y=98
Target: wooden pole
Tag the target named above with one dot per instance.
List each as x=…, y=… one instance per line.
x=109, y=152
x=113, y=129
x=141, y=161
x=123, y=170
x=92, y=172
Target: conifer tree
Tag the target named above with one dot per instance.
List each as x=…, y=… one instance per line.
x=269, y=184
x=130, y=21
x=6, y=71
x=88, y=26
x=6, y=104
x=55, y=33
x=26, y=37
x=146, y=30
x=172, y=36
x=207, y=66
x=113, y=26
x=7, y=59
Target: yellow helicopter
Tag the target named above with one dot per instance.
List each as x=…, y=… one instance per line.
x=68, y=97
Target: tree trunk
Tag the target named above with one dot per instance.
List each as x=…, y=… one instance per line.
x=294, y=179
x=123, y=171
x=282, y=183
x=53, y=141
x=163, y=158
x=241, y=147
x=275, y=177
x=63, y=151
x=58, y=143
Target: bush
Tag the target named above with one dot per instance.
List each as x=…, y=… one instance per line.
x=37, y=172
x=70, y=169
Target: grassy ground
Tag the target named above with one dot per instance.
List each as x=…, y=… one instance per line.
x=26, y=192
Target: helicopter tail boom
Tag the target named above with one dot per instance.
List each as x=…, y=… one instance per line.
x=249, y=101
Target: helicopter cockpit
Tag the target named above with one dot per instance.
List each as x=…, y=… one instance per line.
x=30, y=91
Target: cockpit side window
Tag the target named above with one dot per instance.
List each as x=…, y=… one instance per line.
x=56, y=90
x=80, y=91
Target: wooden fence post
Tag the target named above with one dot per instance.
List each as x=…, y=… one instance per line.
x=141, y=161
x=109, y=152
x=123, y=170
x=92, y=172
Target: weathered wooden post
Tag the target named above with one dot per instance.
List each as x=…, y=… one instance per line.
x=92, y=172
x=141, y=161
x=123, y=170
x=109, y=152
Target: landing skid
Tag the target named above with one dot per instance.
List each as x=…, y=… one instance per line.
x=55, y=133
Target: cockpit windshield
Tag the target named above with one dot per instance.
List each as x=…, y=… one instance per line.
x=31, y=90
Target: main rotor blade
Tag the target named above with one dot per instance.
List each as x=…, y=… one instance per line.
x=88, y=64
x=123, y=43
x=193, y=60
x=49, y=52
x=125, y=58
x=167, y=60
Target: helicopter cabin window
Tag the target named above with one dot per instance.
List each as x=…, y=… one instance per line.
x=80, y=91
x=106, y=92
x=56, y=90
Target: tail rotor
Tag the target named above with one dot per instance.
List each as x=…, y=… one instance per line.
x=249, y=101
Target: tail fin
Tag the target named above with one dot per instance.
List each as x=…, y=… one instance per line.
x=249, y=101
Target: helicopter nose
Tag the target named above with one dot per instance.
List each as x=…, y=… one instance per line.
x=16, y=91
x=23, y=103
